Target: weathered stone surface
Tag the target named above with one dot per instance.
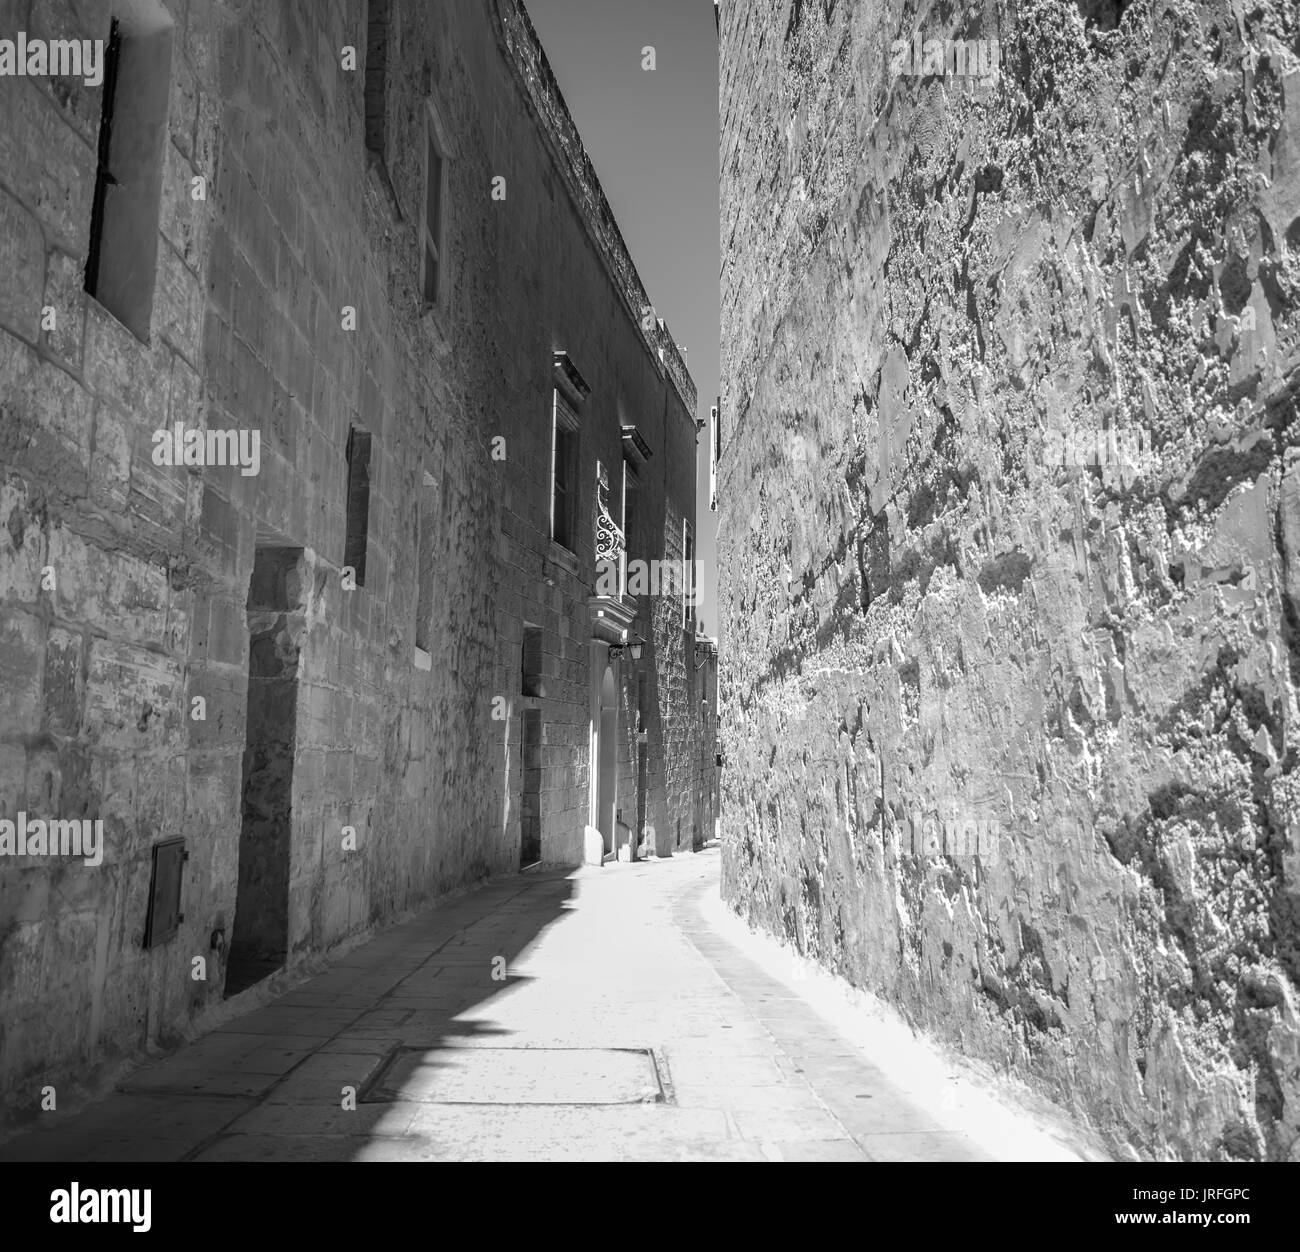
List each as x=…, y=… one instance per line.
x=22, y=253
x=943, y=604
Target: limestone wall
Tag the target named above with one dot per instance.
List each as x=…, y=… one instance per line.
x=951, y=598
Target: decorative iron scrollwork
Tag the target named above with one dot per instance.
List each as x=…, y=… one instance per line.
x=609, y=536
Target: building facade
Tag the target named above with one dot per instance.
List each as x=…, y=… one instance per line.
x=1009, y=535
x=326, y=381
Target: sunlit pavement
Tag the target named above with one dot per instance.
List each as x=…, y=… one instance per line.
x=591, y=1015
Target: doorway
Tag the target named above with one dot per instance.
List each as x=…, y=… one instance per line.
x=530, y=805
x=259, y=941
x=607, y=760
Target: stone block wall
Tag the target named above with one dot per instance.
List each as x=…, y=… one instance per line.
x=1008, y=538
x=287, y=302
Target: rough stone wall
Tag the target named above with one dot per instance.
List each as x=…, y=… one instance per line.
x=946, y=602
x=148, y=605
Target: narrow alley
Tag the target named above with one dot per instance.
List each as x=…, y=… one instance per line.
x=642, y=581
x=626, y=1027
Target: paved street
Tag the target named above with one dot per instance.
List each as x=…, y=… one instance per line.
x=622, y=1025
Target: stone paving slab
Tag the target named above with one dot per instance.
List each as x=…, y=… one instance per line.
x=174, y=1079
x=128, y=1145
x=734, y=1098
x=519, y=1076
x=278, y=1148
x=918, y=1146
x=129, y=1127
x=633, y=1132
x=323, y=1077
x=815, y=1150
x=324, y=1118
x=250, y=1054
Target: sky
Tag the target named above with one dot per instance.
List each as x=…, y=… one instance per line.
x=653, y=138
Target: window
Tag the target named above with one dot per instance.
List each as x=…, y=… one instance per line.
x=122, y=256
x=103, y=178
x=564, y=471
x=433, y=222
x=562, y=505
x=530, y=661
x=569, y=390
x=358, y=519
x=381, y=43
x=377, y=78
x=426, y=522
x=636, y=453
x=530, y=800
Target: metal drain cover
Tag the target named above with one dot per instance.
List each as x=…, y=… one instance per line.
x=442, y=1075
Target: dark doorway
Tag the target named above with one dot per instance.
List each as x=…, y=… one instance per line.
x=642, y=786
x=642, y=766
x=260, y=942
x=607, y=761
x=530, y=807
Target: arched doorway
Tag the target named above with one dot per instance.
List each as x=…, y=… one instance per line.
x=607, y=759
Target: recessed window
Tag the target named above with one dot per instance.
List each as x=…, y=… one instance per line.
x=530, y=661
x=122, y=254
x=433, y=221
x=382, y=42
x=358, y=521
x=564, y=471
x=427, y=523
x=377, y=78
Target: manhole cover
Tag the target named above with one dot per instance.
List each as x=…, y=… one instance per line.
x=439, y=1075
